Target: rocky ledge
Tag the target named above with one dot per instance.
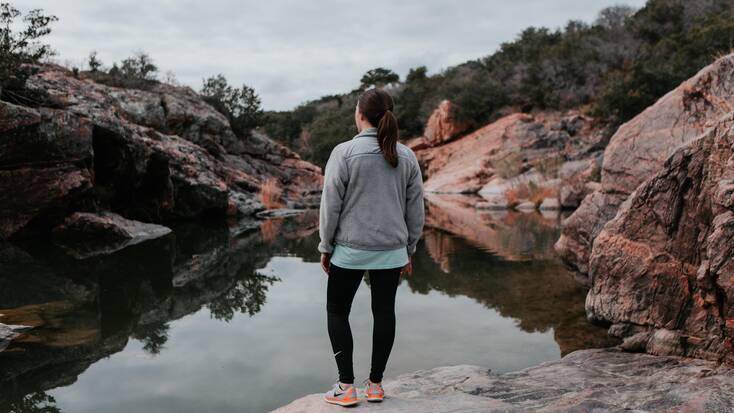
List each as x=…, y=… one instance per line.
x=605, y=380
x=152, y=155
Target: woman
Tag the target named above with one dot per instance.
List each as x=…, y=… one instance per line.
x=371, y=218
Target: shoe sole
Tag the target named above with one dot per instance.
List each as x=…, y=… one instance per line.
x=374, y=400
x=341, y=403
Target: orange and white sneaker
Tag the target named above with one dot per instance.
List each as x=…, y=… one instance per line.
x=342, y=397
x=374, y=392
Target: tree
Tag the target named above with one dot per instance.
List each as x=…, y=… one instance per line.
x=94, y=63
x=240, y=106
x=21, y=47
x=139, y=67
x=379, y=77
x=417, y=74
x=614, y=17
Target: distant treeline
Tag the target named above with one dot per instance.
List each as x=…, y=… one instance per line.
x=612, y=68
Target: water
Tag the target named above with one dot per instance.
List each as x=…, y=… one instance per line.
x=209, y=320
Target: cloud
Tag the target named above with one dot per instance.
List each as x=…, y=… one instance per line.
x=291, y=51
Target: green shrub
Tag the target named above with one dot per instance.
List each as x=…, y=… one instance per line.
x=240, y=106
x=21, y=47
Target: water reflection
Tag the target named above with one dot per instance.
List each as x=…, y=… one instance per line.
x=83, y=311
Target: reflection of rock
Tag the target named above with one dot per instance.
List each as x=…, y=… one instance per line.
x=539, y=294
x=663, y=268
x=511, y=235
x=640, y=147
x=82, y=311
x=85, y=234
x=440, y=247
x=602, y=381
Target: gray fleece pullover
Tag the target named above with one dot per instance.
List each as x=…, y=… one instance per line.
x=366, y=203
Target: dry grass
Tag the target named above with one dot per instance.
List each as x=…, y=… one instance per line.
x=270, y=193
x=529, y=192
x=508, y=166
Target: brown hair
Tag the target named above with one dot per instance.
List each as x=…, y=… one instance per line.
x=376, y=105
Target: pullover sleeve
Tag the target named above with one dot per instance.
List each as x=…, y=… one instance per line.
x=336, y=177
x=414, y=213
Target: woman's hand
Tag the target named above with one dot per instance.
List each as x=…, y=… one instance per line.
x=408, y=268
x=325, y=262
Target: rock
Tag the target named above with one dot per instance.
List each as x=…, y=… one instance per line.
x=151, y=155
x=575, y=177
x=44, y=158
x=279, y=213
x=526, y=206
x=85, y=234
x=416, y=144
x=505, y=151
x=550, y=204
x=666, y=261
x=639, y=148
x=444, y=124
x=9, y=332
x=602, y=381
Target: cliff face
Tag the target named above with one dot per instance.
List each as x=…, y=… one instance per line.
x=152, y=155
x=640, y=147
x=663, y=269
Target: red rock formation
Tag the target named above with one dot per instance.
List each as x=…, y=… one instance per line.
x=663, y=269
x=149, y=154
x=507, y=148
x=639, y=148
x=444, y=124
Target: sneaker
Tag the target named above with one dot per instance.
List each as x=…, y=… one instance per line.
x=342, y=397
x=374, y=392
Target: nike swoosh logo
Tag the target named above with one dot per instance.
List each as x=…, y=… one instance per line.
x=337, y=353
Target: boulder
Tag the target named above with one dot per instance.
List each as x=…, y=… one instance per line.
x=575, y=177
x=663, y=267
x=526, y=206
x=550, y=204
x=86, y=234
x=640, y=147
x=602, y=381
x=444, y=124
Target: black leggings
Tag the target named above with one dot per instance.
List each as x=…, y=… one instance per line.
x=342, y=286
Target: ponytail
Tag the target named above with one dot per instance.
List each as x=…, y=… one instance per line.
x=387, y=137
x=377, y=106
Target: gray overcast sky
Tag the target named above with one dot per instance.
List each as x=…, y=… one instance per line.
x=291, y=51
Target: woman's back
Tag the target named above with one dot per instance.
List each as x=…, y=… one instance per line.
x=380, y=207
